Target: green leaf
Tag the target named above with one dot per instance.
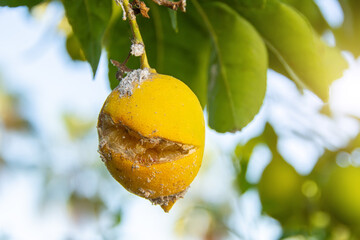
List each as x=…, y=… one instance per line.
x=74, y=49
x=18, y=3
x=117, y=44
x=173, y=19
x=244, y=152
x=276, y=65
x=241, y=162
x=77, y=127
x=118, y=218
x=253, y=3
x=309, y=62
x=312, y=13
x=89, y=19
x=237, y=86
x=348, y=35
x=270, y=137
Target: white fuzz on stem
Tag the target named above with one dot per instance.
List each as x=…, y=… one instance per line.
x=120, y=2
x=137, y=49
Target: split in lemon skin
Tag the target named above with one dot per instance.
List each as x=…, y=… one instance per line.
x=151, y=136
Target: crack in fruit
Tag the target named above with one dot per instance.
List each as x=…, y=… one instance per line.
x=138, y=148
x=151, y=136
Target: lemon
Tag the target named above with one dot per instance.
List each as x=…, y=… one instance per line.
x=151, y=136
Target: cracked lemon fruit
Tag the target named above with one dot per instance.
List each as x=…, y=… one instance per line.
x=151, y=136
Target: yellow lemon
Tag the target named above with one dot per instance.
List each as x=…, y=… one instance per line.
x=151, y=136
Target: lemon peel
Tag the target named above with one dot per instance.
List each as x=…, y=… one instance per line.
x=151, y=136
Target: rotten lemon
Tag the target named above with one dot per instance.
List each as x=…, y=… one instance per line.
x=151, y=136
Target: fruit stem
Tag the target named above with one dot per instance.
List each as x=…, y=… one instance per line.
x=136, y=32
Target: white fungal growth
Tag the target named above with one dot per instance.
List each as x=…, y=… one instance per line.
x=133, y=78
x=137, y=49
x=120, y=2
x=184, y=5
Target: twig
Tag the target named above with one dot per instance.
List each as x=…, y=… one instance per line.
x=122, y=68
x=137, y=39
x=141, y=7
x=181, y=4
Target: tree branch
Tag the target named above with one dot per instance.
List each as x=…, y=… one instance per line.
x=181, y=4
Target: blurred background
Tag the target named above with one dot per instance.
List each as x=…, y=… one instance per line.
x=293, y=173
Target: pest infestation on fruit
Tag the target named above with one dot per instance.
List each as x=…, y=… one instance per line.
x=151, y=130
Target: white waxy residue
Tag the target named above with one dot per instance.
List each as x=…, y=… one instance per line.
x=133, y=78
x=137, y=49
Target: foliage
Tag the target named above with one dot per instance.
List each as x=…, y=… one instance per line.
x=218, y=48
x=237, y=85
x=321, y=204
x=89, y=20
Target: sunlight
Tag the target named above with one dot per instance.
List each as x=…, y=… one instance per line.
x=345, y=92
